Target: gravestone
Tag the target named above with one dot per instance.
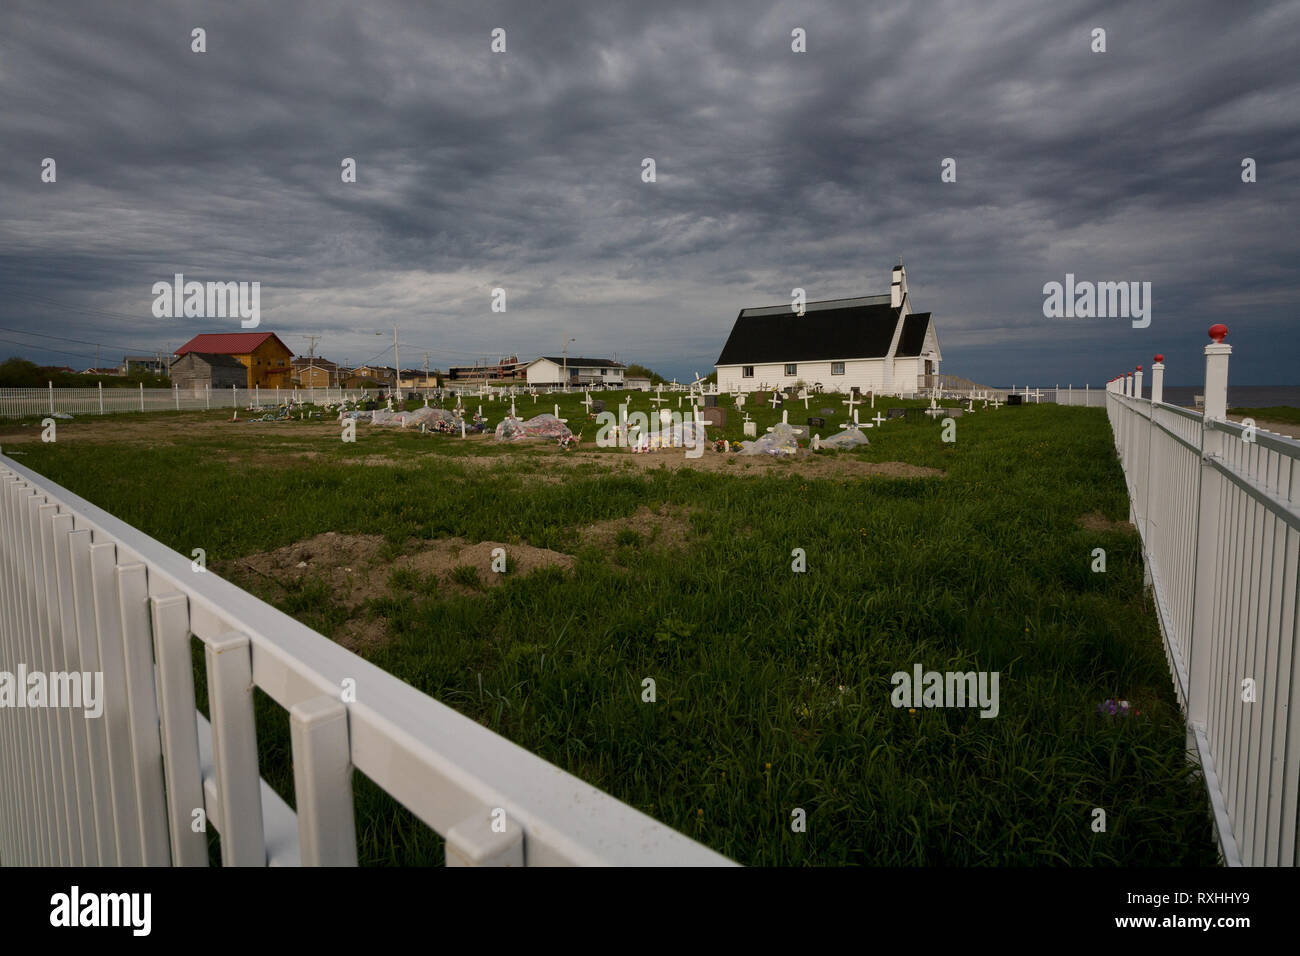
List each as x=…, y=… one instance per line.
x=597, y=406
x=710, y=401
x=816, y=423
x=715, y=416
x=751, y=429
x=827, y=411
x=895, y=413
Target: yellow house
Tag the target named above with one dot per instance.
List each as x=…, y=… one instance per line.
x=262, y=353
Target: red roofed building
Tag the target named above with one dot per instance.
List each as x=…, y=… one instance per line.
x=262, y=353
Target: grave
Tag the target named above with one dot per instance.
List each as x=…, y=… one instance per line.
x=710, y=401
x=826, y=411
x=816, y=422
x=715, y=416
x=597, y=406
x=893, y=413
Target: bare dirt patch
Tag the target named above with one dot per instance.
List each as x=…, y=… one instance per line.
x=1096, y=521
x=358, y=568
x=666, y=527
x=805, y=465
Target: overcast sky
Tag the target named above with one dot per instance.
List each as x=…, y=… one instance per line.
x=775, y=169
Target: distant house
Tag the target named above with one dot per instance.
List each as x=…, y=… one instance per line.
x=419, y=378
x=264, y=357
x=357, y=377
x=872, y=343
x=636, y=384
x=505, y=369
x=102, y=371
x=576, y=371
x=143, y=363
x=310, y=372
x=200, y=370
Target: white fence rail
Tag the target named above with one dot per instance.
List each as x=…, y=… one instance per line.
x=23, y=402
x=80, y=591
x=1215, y=505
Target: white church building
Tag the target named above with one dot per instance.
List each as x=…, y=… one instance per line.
x=874, y=343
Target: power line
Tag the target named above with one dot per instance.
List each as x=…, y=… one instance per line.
x=44, y=348
x=65, y=338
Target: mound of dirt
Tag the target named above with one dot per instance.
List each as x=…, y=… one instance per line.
x=358, y=568
x=665, y=527
x=1096, y=521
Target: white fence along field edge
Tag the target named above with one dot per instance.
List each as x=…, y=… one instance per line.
x=1215, y=505
x=82, y=591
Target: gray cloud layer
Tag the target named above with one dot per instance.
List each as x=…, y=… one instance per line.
x=775, y=170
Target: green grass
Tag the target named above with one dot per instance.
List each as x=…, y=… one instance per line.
x=773, y=686
x=1284, y=414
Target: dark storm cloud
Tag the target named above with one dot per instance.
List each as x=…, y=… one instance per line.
x=775, y=170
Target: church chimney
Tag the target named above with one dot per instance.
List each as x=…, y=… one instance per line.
x=898, y=286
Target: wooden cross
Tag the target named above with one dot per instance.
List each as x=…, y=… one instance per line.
x=588, y=402
x=803, y=393
x=852, y=401
x=512, y=407
x=659, y=396
x=997, y=403
x=879, y=419
x=774, y=401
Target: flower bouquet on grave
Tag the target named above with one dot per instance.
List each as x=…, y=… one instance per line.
x=1117, y=708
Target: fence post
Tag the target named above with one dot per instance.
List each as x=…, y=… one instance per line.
x=51, y=384
x=257, y=396
x=101, y=397
x=1206, y=555
x=1137, y=382
x=142, y=396
x=207, y=395
x=234, y=397
x=1158, y=381
x=176, y=393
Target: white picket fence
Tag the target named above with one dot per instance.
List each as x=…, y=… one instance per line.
x=82, y=591
x=1215, y=505
x=24, y=402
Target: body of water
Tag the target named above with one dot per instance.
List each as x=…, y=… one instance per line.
x=1239, y=396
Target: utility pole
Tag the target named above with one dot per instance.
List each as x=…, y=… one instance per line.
x=567, y=340
x=397, y=366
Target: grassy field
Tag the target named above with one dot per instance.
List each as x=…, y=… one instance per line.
x=773, y=686
x=1284, y=414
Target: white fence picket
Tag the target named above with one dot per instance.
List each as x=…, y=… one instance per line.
x=39, y=402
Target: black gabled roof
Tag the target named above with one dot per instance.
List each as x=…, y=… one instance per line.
x=835, y=329
x=583, y=362
x=912, y=340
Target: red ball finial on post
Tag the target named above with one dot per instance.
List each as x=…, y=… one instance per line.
x=1139, y=368
x=1160, y=358
x=1218, y=331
